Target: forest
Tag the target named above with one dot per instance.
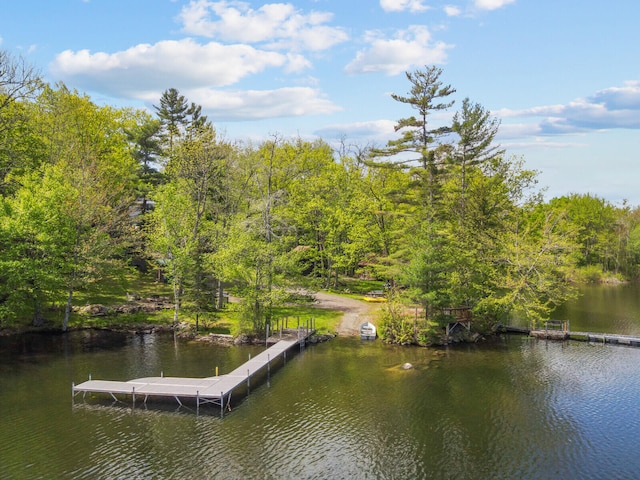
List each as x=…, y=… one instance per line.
x=441, y=214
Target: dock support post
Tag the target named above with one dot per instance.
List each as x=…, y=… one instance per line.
x=133, y=396
x=73, y=393
x=268, y=364
x=266, y=340
x=198, y=401
x=248, y=381
x=221, y=404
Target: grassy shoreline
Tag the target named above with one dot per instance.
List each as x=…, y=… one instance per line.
x=137, y=302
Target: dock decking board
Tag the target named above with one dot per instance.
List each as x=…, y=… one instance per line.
x=611, y=338
x=215, y=390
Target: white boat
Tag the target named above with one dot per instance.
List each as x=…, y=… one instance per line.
x=367, y=331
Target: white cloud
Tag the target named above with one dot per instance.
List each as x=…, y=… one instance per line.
x=491, y=4
x=402, y=5
x=279, y=25
x=452, y=10
x=542, y=142
x=616, y=98
x=182, y=63
x=225, y=105
x=199, y=70
x=376, y=129
x=614, y=107
x=517, y=130
x=392, y=56
x=539, y=111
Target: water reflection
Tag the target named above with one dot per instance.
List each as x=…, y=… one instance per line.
x=604, y=309
x=516, y=408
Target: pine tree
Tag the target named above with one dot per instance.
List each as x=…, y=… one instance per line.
x=172, y=112
x=427, y=96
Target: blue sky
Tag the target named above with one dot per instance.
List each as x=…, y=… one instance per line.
x=563, y=76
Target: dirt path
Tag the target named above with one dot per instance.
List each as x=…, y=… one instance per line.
x=356, y=312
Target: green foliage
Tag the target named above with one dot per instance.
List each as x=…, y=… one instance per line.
x=593, y=219
x=588, y=274
x=424, y=97
x=395, y=323
x=86, y=190
x=325, y=320
x=431, y=335
x=356, y=287
x=67, y=223
x=427, y=271
x=113, y=289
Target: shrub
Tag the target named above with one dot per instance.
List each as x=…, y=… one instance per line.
x=396, y=325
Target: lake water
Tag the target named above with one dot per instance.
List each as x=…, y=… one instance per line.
x=517, y=408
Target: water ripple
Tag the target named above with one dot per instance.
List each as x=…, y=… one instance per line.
x=525, y=409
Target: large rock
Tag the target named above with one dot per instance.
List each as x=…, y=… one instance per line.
x=96, y=310
x=242, y=340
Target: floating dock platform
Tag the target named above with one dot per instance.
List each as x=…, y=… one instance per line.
x=210, y=390
x=614, y=339
x=557, y=330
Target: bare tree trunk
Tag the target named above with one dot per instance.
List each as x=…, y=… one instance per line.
x=177, y=288
x=72, y=281
x=67, y=309
x=220, y=294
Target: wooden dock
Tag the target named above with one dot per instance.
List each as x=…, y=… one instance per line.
x=557, y=330
x=553, y=330
x=210, y=390
x=603, y=338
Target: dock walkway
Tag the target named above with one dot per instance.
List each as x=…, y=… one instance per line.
x=565, y=334
x=630, y=340
x=214, y=390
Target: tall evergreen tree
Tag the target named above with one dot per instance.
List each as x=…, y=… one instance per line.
x=147, y=150
x=418, y=142
x=476, y=130
x=172, y=113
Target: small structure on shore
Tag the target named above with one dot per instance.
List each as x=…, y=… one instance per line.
x=367, y=331
x=460, y=317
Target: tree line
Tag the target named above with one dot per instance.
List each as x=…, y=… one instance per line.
x=440, y=212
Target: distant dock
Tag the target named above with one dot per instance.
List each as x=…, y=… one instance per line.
x=559, y=330
x=614, y=339
x=210, y=390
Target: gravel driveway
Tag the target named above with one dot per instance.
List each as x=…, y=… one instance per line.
x=356, y=312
